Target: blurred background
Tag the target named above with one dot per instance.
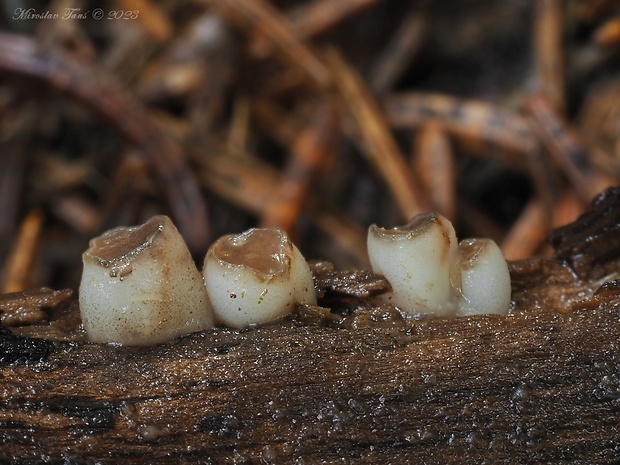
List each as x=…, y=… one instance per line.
x=317, y=116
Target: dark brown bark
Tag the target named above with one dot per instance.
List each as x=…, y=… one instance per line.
x=357, y=384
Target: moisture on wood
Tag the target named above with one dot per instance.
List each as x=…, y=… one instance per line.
x=600, y=228
x=360, y=384
x=26, y=308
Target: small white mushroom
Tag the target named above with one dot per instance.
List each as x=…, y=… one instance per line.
x=140, y=286
x=256, y=277
x=430, y=274
x=416, y=260
x=484, y=278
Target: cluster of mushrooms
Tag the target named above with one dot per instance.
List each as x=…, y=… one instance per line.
x=140, y=285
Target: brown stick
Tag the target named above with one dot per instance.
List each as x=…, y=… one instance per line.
x=524, y=389
x=242, y=180
x=18, y=267
x=319, y=16
x=78, y=212
x=239, y=125
x=259, y=17
x=309, y=151
x=528, y=233
x=314, y=18
x=566, y=148
x=433, y=164
x=473, y=122
x=399, y=52
x=608, y=34
x=100, y=92
x=567, y=209
x=549, y=50
x=600, y=225
x=379, y=145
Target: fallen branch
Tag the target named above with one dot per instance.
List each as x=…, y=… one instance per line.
x=354, y=382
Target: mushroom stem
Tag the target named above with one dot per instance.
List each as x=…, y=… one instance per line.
x=140, y=286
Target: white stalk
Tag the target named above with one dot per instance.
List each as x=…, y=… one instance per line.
x=484, y=278
x=140, y=286
x=256, y=277
x=416, y=260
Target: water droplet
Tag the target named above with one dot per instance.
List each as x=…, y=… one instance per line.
x=150, y=433
x=358, y=406
x=476, y=439
x=521, y=393
x=273, y=409
x=121, y=271
x=425, y=434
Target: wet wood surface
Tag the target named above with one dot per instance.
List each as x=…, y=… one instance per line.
x=349, y=381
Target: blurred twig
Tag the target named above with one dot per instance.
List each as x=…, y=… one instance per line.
x=379, y=144
x=316, y=116
x=259, y=17
x=549, y=50
x=309, y=151
x=19, y=56
x=474, y=122
x=433, y=162
x=18, y=267
x=563, y=144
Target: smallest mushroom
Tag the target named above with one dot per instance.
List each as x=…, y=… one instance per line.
x=431, y=274
x=483, y=278
x=256, y=277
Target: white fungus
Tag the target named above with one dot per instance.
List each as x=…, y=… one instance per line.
x=430, y=274
x=140, y=286
x=256, y=277
x=484, y=278
x=416, y=260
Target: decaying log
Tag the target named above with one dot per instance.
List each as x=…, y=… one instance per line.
x=353, y=383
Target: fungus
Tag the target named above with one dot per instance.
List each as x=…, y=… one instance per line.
x=431, y=274
x=484, y=278
x=140, y=286
x=256, y=277
x=416, y=260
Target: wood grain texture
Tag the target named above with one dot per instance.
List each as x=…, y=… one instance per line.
x=355, y=383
